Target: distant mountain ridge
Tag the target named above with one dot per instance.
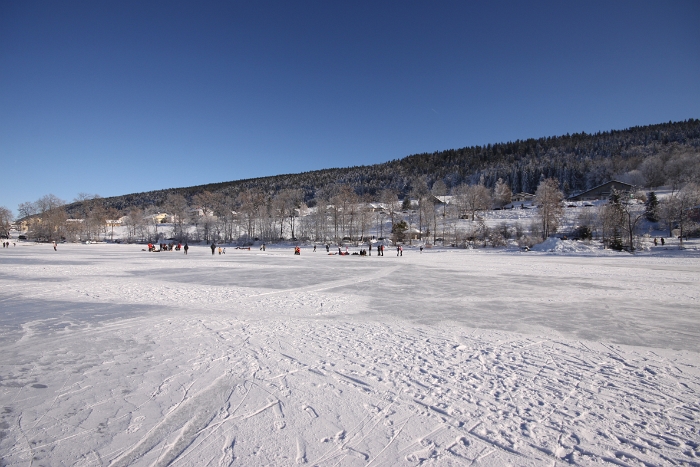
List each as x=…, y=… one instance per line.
x=579, y=161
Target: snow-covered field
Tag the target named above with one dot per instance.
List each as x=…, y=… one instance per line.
x=115, y=356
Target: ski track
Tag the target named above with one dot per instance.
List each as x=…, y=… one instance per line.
x=318, y=383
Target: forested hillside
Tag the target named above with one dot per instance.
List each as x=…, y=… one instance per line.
x=652, y=155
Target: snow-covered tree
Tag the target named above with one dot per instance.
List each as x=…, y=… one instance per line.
x=502, y=193
x=549, y=202
x=5, y=220
x=473, y=198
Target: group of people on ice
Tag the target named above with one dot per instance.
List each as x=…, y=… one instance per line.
x=297, y=249
x=214, y=247
x=167, y=247
x=362, y=252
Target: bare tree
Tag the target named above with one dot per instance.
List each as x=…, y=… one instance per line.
x=390, y=200
x=344, y=202
x=549, y=201
x=134, y=222
x=420, y=193
x=113, y=215
x=286, y=204
x=677, y=209
x=176, y=205
x=207, y=202
x=47, y=217
x=364, y=217
x=250, y=204
x=630, y=212
x=472, y=199
x=96, y=220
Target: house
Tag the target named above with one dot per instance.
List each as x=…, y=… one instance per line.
x=602, y=191
x=522, y=197
x=159, y=218
x=441, y=200
x=115, y=222
x=375, y=207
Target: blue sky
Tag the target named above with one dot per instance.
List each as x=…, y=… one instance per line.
x=119, y=97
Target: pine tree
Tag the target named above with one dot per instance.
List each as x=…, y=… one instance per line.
x=652, y=207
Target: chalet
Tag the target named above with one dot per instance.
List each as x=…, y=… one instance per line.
x=522, y=197
x=440, y=200
x=602, y=191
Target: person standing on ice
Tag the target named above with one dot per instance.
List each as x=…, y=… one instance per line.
x=187, y=247
x=213, y=248
x=370, y=248
x=54, y=245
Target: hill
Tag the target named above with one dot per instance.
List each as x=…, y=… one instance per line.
x=649, y=155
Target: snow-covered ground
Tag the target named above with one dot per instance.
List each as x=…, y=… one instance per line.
x=116, y=356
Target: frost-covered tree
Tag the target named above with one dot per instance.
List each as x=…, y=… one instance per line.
x=134, y=223
x=549, y=202
x=502, y=193
x=46, y=217
x=677, y=209
x=5, y=220
x=390, y=200
x=632, y=211
x=176, y=205
x=472, y=199
x=439, y=190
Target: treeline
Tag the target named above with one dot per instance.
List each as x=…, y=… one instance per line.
x=345, y=217
x=647, y=156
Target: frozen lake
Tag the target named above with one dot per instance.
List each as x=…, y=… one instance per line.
x=115, y=356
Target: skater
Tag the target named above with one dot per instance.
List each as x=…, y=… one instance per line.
x=398, y=250
x=421, y=249
x=187, y=247
x=54, y=245
x=655, y=242
x=328, y=248
x=224, y=251
x=370, y=249
x=219, y=250
x=213, y=248
x=663, y=242
x=314, y=248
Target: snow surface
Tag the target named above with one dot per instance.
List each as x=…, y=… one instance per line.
x=116, y=356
